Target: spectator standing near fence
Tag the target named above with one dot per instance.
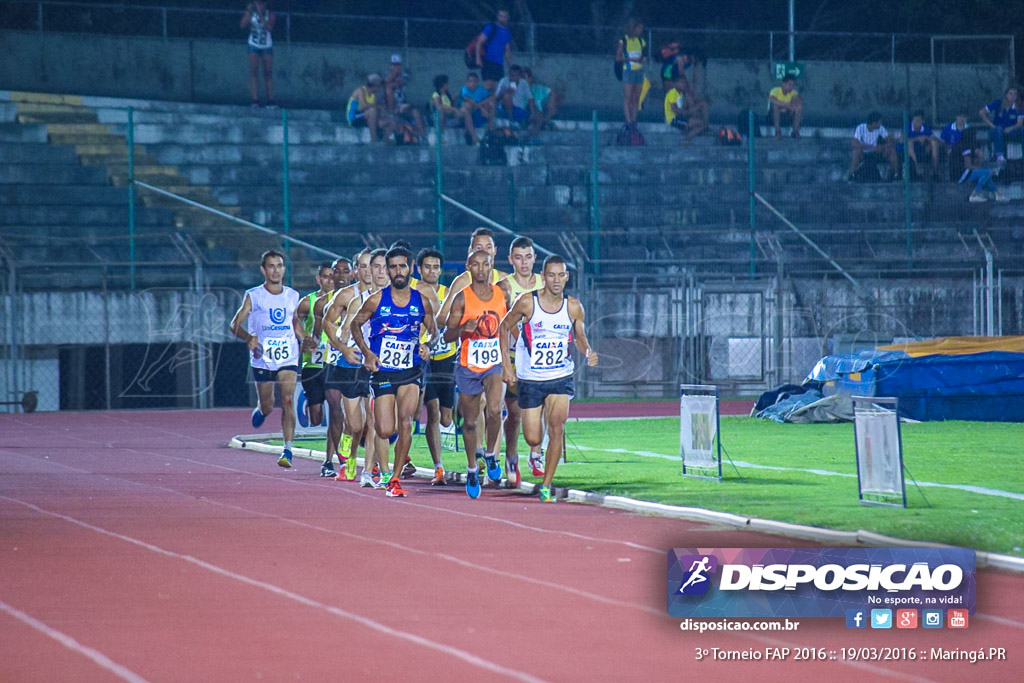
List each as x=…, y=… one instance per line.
x=258, y=20
x=1003, y=117
x=785, y=104
x=630, y=54
x=493, y=49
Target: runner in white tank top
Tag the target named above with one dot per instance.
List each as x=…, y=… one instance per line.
x=544, y=366
x=265, y=322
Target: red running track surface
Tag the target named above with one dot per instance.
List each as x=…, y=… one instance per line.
x=135, y=546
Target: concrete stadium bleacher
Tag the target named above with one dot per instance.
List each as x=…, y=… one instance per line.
x=64, y=195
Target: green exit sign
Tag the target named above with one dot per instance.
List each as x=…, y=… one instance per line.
x=783, y=69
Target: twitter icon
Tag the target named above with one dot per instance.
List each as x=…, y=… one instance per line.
x=881, y=618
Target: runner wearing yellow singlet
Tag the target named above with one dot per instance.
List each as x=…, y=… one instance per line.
x=313, y=351
x=522, y=280
x=439, y=395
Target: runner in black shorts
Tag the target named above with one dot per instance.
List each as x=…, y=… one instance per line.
x=439, y=396
x=393, y=353
x=551, y=323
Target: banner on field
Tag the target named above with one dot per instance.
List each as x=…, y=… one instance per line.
x=879, y=448
x=699, y=443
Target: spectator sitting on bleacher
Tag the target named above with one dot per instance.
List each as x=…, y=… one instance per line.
x=451, y=117
x=692, y=121
x=975, y=172
x=872, y=138
x=955, y=141
x=478, y=102
x=1004, y=118
x=546, y=99
x=921, y=136
x=515, y=100
x=362, y=110
x=785, y=101
x=395, y=97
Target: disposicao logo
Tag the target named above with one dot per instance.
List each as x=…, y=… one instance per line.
x=817, y=582
x=696, y=581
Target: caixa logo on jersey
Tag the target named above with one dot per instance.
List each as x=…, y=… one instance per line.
x=816, y=582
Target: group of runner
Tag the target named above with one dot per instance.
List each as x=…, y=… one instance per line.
x=375, y=344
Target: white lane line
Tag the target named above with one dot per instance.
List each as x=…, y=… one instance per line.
x=70, y=643
x=466, y=657
x=739, y=463
x=584, y=594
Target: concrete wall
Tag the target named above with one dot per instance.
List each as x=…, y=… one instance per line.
x=324, y=76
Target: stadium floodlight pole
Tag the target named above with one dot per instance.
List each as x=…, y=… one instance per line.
x=595, y=197
x=285, y=188
x=131, y=198
x=792, y=24
x=751, y=182
x=906, y=186
x=438, y=180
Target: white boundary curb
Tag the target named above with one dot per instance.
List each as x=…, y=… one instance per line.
x=254, y=442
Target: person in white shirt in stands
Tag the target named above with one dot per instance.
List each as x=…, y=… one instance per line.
x=871, y=137
x=516, y=102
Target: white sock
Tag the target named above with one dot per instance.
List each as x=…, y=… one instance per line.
x=288, y=445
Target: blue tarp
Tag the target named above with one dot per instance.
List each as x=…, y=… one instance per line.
x=986, y=386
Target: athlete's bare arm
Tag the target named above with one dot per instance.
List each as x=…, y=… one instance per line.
x=453, y=330
x=370, y=360
x=298, y=325
x=429, y=295
x=318, y=314
x=460, y=282
x=521, y=310
x=238, y=326
x=430, y=322
x=334, y=311
x=579, y=329
x=506, y=289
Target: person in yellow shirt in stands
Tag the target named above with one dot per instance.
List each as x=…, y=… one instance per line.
x=683, y=111
x=784, y=100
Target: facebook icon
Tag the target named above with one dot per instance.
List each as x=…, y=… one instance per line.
x=856, y=618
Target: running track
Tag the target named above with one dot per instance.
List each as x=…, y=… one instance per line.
x=135, y=546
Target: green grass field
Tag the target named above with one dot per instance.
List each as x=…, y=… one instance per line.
x=604, y=457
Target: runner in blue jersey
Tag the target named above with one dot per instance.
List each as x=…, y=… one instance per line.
x=395, y=355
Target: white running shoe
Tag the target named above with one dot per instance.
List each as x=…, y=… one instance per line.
x=366, y=481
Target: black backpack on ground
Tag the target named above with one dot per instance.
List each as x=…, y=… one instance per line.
x=629, y=136
x=492, y=147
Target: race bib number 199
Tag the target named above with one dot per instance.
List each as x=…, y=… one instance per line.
x=483, y=353
x=396, y=354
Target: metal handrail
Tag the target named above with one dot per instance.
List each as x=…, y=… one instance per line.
x=530, y=28
x=236, y=219
x=499, y=227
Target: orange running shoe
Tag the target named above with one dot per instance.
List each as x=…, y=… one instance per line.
x=438, y=479
x=395, y=489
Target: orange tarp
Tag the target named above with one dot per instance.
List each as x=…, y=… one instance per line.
x=958, y=346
